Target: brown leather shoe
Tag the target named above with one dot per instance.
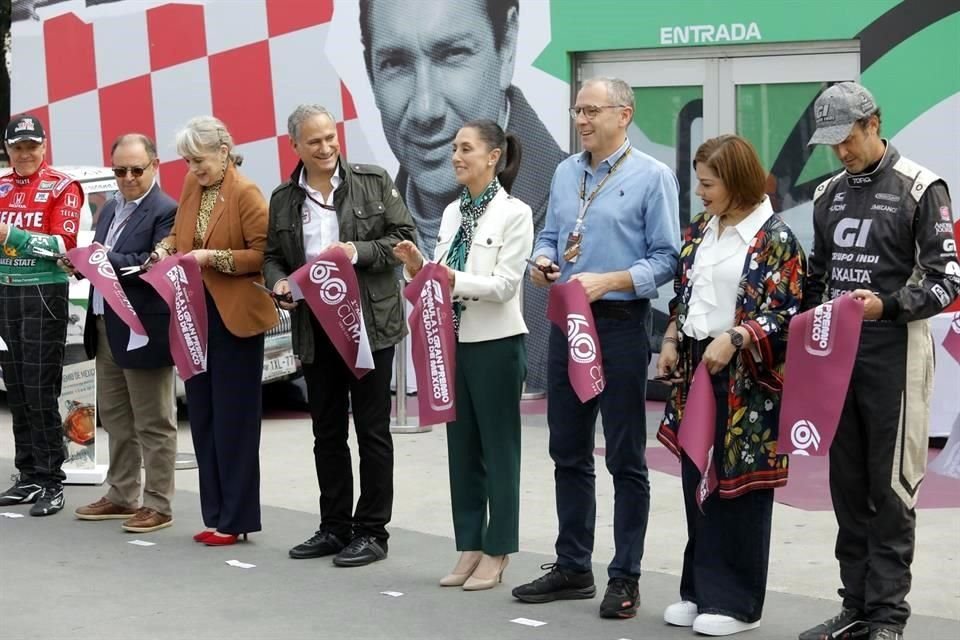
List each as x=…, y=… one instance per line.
x=103, y=509
x=146, y=520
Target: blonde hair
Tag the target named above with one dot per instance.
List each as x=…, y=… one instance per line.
x=204, y=134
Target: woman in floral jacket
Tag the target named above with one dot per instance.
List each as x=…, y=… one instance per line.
x=738, y=285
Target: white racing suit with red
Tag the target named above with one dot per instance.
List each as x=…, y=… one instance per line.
x=42, y=212
x=890, y=231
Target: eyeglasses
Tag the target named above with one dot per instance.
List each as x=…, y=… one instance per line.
x=121, y=172
x=591, y=111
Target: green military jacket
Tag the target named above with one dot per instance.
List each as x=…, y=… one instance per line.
x=371, y=215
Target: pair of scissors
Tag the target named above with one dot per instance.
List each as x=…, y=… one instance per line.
x=286, y=297
x=40, y=252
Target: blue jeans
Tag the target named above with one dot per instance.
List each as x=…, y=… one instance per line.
x=625, y=349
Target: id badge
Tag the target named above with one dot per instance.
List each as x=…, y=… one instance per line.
x=572, y=251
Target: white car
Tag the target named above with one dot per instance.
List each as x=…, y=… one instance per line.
x=99, y=186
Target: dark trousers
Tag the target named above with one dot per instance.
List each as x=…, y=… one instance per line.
x=329, y=382
x=727, y=555
x=622, y=404
x=33, y=324
x=876, y=434
x=483, y=445
x=225, y=414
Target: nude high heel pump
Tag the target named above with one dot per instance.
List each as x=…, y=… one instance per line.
x=457, y=579
x=474, y=583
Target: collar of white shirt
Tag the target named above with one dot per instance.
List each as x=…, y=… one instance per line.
x=335, y=181
x=121, y=202
x=749, y=226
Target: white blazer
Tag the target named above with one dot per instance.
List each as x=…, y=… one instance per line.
x=489, y=287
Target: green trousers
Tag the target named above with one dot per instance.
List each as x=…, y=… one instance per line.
x=483, y=445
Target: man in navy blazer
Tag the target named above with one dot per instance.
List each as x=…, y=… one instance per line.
x=135, y=388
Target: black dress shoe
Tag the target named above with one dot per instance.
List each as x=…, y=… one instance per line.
x=361, y=551
x=323, y=543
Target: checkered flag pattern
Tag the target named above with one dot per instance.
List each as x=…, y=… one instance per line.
x=150, y=71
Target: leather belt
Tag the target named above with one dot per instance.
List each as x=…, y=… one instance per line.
x=619, y=309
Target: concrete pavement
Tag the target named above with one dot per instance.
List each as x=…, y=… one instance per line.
x=92, y=584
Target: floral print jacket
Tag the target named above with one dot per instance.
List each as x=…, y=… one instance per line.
x=767, y=299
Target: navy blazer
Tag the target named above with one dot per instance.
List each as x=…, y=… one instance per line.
x=149, y=223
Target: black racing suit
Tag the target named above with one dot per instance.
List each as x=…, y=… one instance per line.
x=889, y=231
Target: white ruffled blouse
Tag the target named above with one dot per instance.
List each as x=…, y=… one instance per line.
x=716, y=272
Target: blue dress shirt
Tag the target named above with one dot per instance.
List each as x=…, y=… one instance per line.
x=633, y=224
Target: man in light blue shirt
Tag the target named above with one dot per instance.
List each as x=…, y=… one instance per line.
x=613, y=224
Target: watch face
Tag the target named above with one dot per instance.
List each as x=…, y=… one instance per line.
x=735, y=338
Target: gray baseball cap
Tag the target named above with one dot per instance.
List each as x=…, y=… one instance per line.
x=837, y=109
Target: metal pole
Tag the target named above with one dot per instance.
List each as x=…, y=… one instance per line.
x=185, y=461
x=532, y=394
x=400, y=363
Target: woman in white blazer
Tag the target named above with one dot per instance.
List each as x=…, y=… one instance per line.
x=485, y=238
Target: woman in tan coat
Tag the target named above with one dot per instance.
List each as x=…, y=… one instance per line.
x=222, y=220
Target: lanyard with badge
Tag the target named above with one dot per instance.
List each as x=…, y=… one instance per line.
x=575, y=240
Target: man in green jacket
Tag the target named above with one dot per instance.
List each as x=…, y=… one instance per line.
x=329, y=202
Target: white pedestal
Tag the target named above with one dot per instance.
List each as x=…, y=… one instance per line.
x=945, y=404
x=96, y=475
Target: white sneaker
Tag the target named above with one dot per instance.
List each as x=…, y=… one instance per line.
x=680, y=614
x=711, y=624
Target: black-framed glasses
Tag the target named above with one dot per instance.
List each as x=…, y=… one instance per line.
x=121, y=172
x=591, y=111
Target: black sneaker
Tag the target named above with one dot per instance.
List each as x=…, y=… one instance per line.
x=323, y=543
x=49, y=502
x=22, y=492
x=886, y=633
x=621, y=599
x=557, y=584
x=361, y=551
x=846, y=625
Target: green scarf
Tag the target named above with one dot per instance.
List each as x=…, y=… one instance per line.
x=470, y=212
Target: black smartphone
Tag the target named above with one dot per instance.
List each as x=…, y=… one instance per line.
x=545, y=269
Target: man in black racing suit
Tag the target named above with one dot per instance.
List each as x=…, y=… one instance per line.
x=883, y=232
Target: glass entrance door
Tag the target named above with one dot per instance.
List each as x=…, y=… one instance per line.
x=771, y=105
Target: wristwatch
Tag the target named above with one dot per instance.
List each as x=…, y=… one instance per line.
x=736, y=339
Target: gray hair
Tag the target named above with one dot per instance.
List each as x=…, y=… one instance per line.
x=148, y=144
x=618, y=91
x=301, y=114
x=204, y=134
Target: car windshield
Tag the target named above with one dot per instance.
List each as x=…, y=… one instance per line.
x=96, y=194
